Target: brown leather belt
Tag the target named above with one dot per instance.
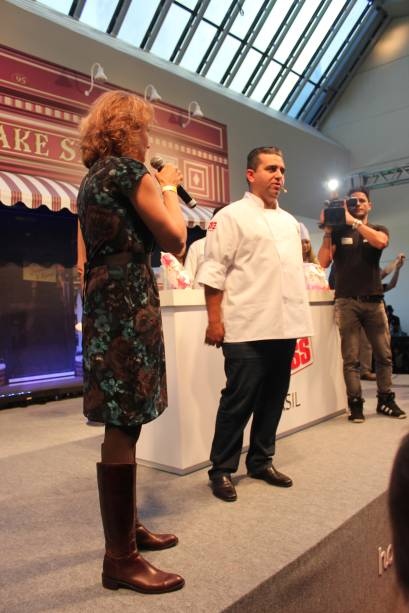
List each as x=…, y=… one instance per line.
x=370, y=298
x=118, y=259
x=114, y=259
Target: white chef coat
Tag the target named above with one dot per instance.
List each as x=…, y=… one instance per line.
x=254, y=256
x=194, y=259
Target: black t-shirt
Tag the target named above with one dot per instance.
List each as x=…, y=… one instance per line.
x=357, y=271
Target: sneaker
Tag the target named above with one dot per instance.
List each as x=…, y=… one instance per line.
x=356, y=406
x=387, y=406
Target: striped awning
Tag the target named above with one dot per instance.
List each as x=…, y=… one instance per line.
x=35, y=191
x=56, y=195
x=199, y=216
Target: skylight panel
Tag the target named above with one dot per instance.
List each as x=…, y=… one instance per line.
x=137, y=20
x=319, y=34
x=294, y=33
x=265, y=82
x=248, y=65
x=291, y=55
x=216, y=11
x=199, y=43
x=284, y=91
x=339, y=39
x=302, y=98
x=172, y=27
x=272, y=24
x=244, y=20
x=98, y=13
x=223, y=59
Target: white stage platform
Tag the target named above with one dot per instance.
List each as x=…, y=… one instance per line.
x=310, y=549
x=195, y=377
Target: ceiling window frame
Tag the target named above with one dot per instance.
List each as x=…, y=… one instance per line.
x=189, y=31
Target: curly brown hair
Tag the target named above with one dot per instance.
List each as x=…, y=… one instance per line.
x=116, y=125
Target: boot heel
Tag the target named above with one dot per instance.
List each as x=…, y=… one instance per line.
x=110, y=584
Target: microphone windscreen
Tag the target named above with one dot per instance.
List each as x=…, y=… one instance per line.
x=157, y=162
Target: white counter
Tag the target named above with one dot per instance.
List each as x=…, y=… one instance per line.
x=179, y=441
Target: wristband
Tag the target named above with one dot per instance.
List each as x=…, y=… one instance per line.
x=327, y=235
x=356, y=224
x=169, y=188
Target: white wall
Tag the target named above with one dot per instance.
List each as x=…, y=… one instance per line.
x=372, y=117
x=372, y=121
x=310, y=157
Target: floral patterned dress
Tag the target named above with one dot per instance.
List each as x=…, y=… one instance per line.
x=123, y=352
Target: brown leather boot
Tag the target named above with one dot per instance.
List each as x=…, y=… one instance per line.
x=145, y=539
x=123, y=565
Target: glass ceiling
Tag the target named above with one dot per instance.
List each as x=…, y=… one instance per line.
x=292, y=56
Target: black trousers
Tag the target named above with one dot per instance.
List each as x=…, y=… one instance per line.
x=258, y=377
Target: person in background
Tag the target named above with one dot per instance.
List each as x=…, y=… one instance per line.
x=195, y=256
x=356, y=249
x=313, y=272
x=394, y=321
x=365, y=349
x=398, y=499
x=121, y=212
x=251, y=246
x=308, y=254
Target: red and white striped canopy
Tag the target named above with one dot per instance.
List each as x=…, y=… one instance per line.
x=199, y=216
x=35, y=191
x=56, y=195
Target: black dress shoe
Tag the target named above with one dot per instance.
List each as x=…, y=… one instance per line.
x=223, y=488
x=273, y=477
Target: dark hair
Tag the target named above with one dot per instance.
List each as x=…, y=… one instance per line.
x=253, y=157
x=361, y=189
x=399, y=513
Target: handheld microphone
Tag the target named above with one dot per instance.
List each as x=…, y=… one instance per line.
x=158, y=163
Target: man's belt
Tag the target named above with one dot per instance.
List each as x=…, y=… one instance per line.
x=370, y=298
x=118, y=259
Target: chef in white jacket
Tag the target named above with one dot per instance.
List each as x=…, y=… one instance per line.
x=194, y=259
x=195, y=256
x=257, y=307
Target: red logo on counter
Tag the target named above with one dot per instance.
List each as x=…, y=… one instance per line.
x=302, y=355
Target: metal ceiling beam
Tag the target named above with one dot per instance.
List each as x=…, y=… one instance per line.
x=378, y=179
x=155, y=25
x=327, y=83
x=276, y=41
x=189, y=31
x=76, y=9
x=219, y=38
x=318, y=55
x=118, y=17
x=334, y=81
x=296, y=51
x=247, y=42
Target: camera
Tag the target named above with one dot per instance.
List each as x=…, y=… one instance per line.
x=334, y=214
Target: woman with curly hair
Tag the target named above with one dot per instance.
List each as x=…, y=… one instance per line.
x=121, y=213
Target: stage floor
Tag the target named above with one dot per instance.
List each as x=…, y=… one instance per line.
x=51, y=536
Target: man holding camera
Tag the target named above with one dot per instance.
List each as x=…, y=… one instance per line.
x=356, y=247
